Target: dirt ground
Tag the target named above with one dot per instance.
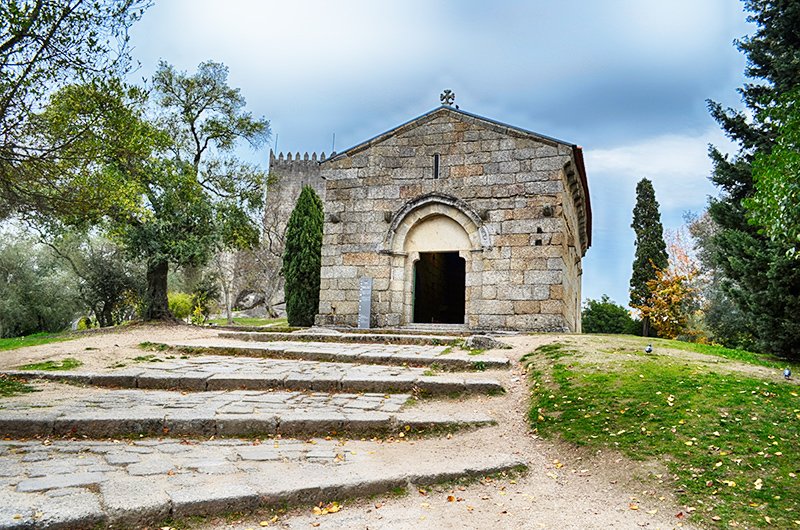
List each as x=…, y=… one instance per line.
x=565, y=487
x=100, y=349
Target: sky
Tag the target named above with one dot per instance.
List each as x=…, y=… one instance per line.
x=626, y=79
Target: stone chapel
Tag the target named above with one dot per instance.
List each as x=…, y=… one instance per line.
x=452, y=218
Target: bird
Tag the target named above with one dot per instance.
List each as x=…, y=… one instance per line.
x=787, y=374
x=649, y=349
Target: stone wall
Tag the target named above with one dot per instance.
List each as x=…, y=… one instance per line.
x=513, y=193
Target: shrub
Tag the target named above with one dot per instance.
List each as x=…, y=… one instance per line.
x=604, y=316
x=180, y=305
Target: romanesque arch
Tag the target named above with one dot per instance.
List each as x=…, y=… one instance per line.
x=431, y=205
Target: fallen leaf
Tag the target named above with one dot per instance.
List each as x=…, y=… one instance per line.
x=652, y=512
x=264, y=523
x=758, y=484
x=633, y=506
x=451, y=498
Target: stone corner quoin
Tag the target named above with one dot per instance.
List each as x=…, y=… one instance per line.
x=457, y=219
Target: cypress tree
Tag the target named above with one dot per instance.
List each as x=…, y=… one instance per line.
x=651, y=251
x=302, y=259
x=756, y=274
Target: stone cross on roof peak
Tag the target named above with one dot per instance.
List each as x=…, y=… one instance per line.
x=447, y=97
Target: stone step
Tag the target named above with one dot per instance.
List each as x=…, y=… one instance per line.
x=433, y=329
x=60, y=410
x=83, y=484
x=210, y=372
x=419, y=339
x=441, y=357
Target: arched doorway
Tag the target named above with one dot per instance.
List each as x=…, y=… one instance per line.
x=434, y=246
x=440, y=240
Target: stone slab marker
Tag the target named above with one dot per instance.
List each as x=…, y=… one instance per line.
x=364, y=302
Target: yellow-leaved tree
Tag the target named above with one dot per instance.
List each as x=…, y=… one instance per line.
x=674, y=292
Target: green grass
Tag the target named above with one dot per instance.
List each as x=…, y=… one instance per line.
x=154, y=346
x=728, y=353
x=11, y=387
x=150, y=358
x=67, y=364
x=731, y=442
x=248, y=321
x=36, y=339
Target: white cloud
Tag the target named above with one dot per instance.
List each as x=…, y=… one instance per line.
x=678, y=165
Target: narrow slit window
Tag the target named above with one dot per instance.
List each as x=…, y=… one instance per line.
x=538, y=242
x=436, y=166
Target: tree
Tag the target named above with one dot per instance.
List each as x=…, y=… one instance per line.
x=726, y=323
x=302, y=259
x=651, y=251
x=604, y=316
x=667, y=308
x=36, y=291
x=755, y=272
x=44, y=45
x=110, y=286
x=181, y=192
x=775, y=205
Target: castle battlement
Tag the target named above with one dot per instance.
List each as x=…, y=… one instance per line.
x=293, y=163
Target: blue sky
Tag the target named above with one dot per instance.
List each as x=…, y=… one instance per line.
x=626, y=79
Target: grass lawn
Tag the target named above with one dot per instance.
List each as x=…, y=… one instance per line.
x=731, y=441
x=248, y=321
x=36, y=339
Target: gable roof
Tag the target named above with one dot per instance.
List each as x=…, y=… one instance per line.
x=503, y=128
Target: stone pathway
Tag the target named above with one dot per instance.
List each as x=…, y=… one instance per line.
x=445, y=357
x=61, y=468
x=102, y=413
x=77, y=484
x=203, y=373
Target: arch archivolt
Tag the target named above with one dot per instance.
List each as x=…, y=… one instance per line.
x=432, y=205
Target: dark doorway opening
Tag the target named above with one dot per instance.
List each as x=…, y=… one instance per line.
x=439, y=287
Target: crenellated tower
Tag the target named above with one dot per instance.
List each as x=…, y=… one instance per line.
x=288, y=174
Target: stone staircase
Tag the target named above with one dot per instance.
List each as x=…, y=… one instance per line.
x=274, y=421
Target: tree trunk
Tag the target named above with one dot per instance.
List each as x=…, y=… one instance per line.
x=156, y=304
x=228, y=307
x=108, y=317
x=646, y=327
